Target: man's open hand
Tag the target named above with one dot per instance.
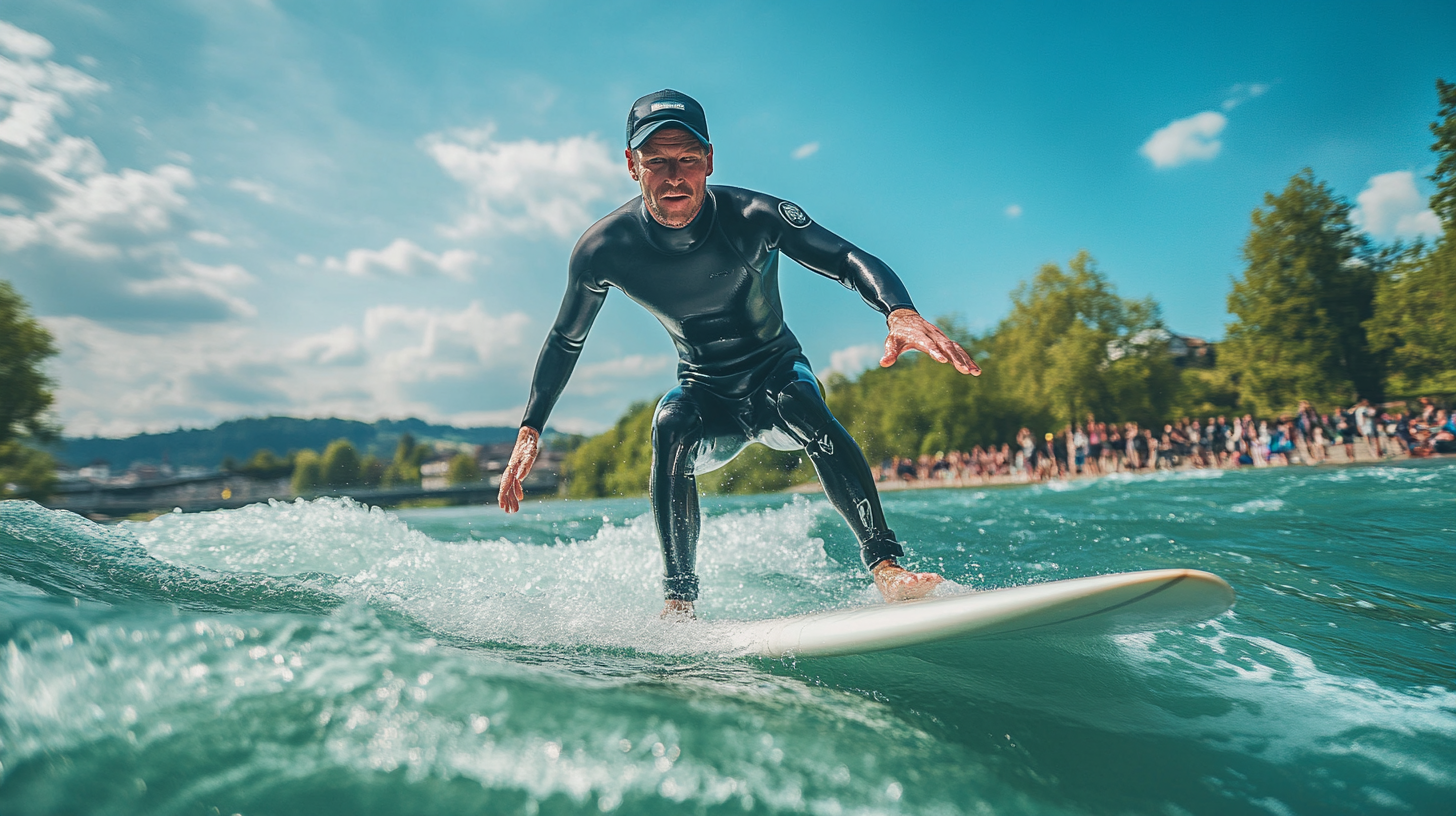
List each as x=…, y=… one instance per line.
x=908, y=330
x=528, y=444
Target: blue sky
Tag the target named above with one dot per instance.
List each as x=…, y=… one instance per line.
x=230, y=208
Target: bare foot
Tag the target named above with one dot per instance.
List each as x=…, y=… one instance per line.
x=678, y=611
x=899, y=584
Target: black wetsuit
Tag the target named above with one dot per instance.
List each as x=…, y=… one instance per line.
x=742, y=376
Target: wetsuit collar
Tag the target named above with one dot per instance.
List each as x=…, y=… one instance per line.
x=675, y=241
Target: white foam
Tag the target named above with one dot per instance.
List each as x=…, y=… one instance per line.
x=1284, y=706
x=1258, y=505
x=602, y=591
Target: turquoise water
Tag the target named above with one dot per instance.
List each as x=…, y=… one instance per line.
x=325, y=658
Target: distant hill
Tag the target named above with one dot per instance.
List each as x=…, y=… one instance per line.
x=240, y=438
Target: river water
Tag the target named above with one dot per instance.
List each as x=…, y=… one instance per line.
x=325, y=658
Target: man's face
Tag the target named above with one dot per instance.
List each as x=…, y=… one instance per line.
x=673, y=169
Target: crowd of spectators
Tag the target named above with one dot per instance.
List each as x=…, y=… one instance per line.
x=1093, y=448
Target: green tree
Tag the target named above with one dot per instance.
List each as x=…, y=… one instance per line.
x=1301, y=304
x=404, y=469
x=1206, y=393
x=1414, y=324
x=1071, y=346
x=371, y=471
x=307, y=472
x=340, y=466
x=1444, y=129
x=616, y=462
x=25, y=472
x=759, y=469
x=25, y=400
x=919, y=405
x=463, y=469
x=263, y=464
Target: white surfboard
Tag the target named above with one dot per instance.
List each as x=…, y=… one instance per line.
x=1105, y=604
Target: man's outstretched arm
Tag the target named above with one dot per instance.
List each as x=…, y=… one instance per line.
x=833, y=257
x=553, y=368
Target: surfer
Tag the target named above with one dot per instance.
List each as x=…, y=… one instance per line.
x=704, y=261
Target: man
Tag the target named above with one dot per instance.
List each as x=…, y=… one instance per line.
x=704, y=262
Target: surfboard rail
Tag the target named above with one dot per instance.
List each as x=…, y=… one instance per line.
x=1149, y=600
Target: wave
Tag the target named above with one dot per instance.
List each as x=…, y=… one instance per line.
x=63, y=554
x=312, y=556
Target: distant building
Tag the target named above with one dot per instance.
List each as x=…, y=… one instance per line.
x=435, y=474
x=1198, y=353
x=1185, y=350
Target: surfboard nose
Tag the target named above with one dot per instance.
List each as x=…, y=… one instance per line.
x=1122, y=603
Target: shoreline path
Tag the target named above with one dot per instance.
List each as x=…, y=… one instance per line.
x=1363, y=456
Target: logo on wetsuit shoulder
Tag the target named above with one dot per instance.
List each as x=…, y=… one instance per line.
x=792, y=214
x=657, y=106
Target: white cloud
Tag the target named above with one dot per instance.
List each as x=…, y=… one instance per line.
x=97, y=217
x=804, y=151
x=1390, y=207
x=209, y=238
x=189, y=280
x=1241, y=93
x=114, y=382
x=526, y=187
x=119, y=382
x=340, y=346
x=257, y=189
x=633, y=365
x=34, y=93
x=1185, y=140
x=1013, y=211
x=607, y=376
x=428, y=344
x=855, y=359
x=104, y=242
x=23, y=43
x=406, y=258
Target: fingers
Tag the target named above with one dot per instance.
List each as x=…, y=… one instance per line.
x=946, y=350
x=508, y=500
x=932, y=344
x=523, y=457
x=892, y=352
x=961, y=359
x=512, y=488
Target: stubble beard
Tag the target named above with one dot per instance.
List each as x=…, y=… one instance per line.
x=675, y=222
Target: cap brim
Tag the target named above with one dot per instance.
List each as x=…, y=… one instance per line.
x=647, y=130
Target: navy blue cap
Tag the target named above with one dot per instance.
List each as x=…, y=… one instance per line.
x=666, y=108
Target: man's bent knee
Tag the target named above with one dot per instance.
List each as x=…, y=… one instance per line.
x=676, y=423
x=802, y=408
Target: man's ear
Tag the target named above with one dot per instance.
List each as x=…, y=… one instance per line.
x=710, y=161
x=632, y=166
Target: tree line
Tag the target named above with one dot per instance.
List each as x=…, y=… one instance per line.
x=1321, y=312
x=340, y=466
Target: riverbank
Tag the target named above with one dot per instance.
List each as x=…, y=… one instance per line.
x=1363, y=456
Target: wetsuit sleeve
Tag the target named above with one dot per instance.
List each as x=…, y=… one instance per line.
x=822, y=251
x=579, y=307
